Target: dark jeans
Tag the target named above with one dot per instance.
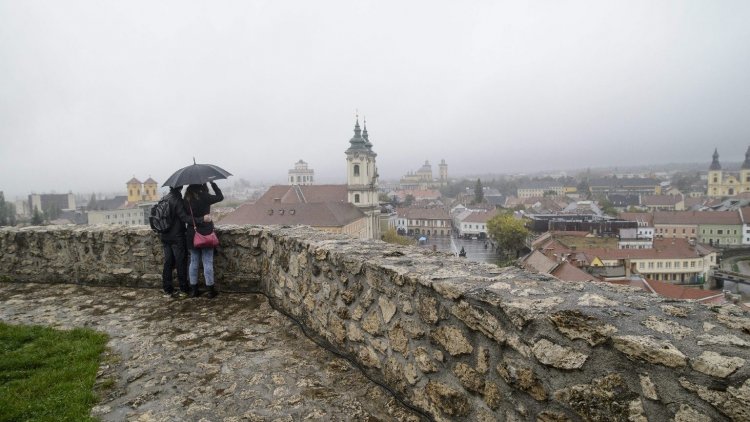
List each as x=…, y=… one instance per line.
x=175, y=256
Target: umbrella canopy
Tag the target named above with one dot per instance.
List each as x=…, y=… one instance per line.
x=196, y=174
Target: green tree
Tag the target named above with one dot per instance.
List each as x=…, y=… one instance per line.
x=52, y=212
x=408, y=200
x=37, y=219
x=509, y=232
x=391, y=236
x=478, y=192
x=607, y=207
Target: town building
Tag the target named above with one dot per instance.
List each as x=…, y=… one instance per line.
x=131, y=210
x=424, y=221
x=423, y=178
x=474, y=223
x=352, y=208
x=635, y=238
x=624, y=186
x=301, y=174
x=727, y=183
x=745, y=216
x=132, y=215
x=663, y=202
x=541, y=188
x=679, y=261
x=51, y=202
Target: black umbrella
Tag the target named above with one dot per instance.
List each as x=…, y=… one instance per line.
x=196, y=174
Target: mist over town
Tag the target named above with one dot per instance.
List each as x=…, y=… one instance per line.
x=375, y=210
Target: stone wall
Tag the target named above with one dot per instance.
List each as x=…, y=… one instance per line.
x=459, y=340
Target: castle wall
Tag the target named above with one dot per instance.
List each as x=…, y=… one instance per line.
x=459, y=340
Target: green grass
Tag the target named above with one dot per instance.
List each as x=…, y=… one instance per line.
x=47, y=374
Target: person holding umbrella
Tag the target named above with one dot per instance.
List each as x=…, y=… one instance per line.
x=197, y=206
x=198, y=203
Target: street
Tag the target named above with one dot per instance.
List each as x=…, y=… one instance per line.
x=475, y=250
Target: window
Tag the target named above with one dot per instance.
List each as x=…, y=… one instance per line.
x=659, y=265
x=684, y=264
x=669, y=265
x=719, y=231
x=692, y=264
x=650, y=265
x=641, y=265
x=356, y=169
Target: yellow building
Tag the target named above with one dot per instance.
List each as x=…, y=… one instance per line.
x=724, y=183
x=142, y=191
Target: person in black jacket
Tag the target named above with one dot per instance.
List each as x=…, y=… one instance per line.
x=174, y=245
x=198, y=204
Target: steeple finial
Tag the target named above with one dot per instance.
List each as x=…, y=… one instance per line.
x=746, y=164
x=715, y=163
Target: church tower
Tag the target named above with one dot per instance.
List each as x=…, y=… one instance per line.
x=715, y=177
x=150, y=190
x=134, y=190
x=745, y=172
x=443, y=173
x=362, y=179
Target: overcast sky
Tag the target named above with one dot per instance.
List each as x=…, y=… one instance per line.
x=95, y=92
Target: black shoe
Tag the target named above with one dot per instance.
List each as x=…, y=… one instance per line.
x=194, y=291
x=211, y=292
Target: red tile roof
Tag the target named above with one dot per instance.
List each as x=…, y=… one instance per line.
x=674, y=291
x=682, y=292
x=286, y=194
x=663, y=249
x=745, y=212
x=480, y=216
x=697, y=217
x=569, y=272
x=660, y=200
x=424, y=213
x=327, y=214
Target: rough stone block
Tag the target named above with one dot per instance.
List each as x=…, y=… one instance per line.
x=557, y=356
x=453, y=340
x=716, y=365
x=651, y=350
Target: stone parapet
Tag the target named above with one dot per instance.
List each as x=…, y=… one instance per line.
x=457, y=339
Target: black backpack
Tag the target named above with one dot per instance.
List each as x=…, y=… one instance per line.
x=161, y=216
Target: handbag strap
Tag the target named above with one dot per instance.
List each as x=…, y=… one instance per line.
x=191, y=216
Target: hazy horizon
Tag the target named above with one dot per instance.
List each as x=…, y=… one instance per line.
x=95, y=93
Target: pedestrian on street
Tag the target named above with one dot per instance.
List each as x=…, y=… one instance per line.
x=198, y=203
x=174, y=245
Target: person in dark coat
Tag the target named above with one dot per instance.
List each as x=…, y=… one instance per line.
x=175, y=248
x=198, y=203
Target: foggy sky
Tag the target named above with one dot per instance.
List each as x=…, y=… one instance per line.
x=95, y=92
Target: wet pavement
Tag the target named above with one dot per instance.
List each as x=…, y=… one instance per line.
x=232, y=358
x=475, y=250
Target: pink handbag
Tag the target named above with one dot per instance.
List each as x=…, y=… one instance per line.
x=208, y=241
x=201, y=241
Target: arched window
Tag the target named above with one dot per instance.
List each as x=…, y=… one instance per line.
x=356, y=169
x=356, y=198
